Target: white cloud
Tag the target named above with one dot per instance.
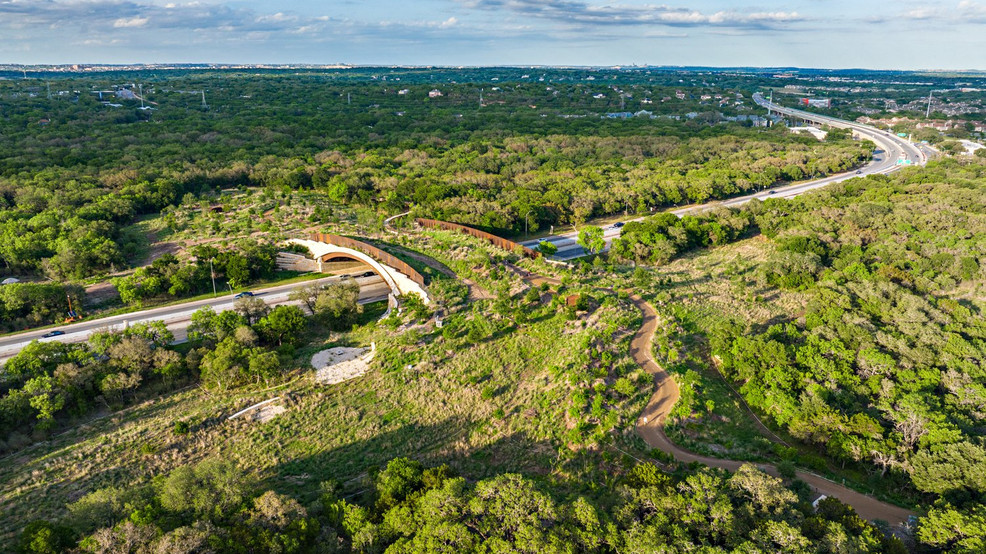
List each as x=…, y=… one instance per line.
x=131, y=22
x=575, y=12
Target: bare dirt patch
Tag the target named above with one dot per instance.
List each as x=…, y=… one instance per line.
x=340, y=364
x=100, y=292
x=158, y=249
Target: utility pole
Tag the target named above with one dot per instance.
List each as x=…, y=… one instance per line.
x=49, y=90
x=212, y=272
x=526, y=233
x=204, y=105
x=140, y=89
x=480, y=98
x=927, y=113
x=349, y=99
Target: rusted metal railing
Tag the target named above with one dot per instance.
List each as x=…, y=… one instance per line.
x=373, y=252
x=499, y=242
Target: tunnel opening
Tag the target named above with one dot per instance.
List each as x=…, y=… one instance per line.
x=338, y=264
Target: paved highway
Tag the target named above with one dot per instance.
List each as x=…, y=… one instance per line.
x=892, y=153
x=177, y=317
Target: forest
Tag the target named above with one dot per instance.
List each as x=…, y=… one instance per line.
x=883, y=367
x=408, y=507
x=76, y=173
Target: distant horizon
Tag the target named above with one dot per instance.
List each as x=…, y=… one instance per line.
x=345, y=65
x=909, y=35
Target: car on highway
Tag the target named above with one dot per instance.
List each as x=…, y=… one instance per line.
x=858, y=171
x=771, y=191
x=618, y=224
x=367, y=274
x=244, y=294
x=52, y=334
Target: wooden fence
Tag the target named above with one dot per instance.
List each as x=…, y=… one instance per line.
x=499, y=242
x=373, y=252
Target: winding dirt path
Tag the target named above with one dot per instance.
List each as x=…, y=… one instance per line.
x=650, y=427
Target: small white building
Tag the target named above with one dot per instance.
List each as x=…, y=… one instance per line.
x=434, y=93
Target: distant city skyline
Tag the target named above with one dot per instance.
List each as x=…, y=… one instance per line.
x=808, y=33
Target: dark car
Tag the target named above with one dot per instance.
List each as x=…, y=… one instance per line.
x=52, y=334
x=618, y=224
x=367, y=274
x=771, y=191
x=244, y=294
x=858, y=171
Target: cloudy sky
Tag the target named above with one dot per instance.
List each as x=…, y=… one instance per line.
x=888, y=34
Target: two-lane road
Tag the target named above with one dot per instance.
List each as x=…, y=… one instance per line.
x=892, y=153
x=177, y=317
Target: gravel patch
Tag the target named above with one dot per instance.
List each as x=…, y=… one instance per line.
x=340, y=364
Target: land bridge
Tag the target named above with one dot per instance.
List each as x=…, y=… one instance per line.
x=332, y=249
x=499, y=242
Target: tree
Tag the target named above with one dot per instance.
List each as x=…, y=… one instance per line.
x=307, y=295
x=402, y=477
x=168, y=364
x=953, y=530
x=281, y=524
x=766, y=493
x=155, y=332
x=591, y=238
x=45, y=399
x=951, y=467
x=115, y=385
x=283, y=324
x=246, y=336
x=547, y=248
x=223, y=366
x=42, y=537
x=263, y=364
x=337, y=306
x=207, y=324
x=132, y=354
x=212, y=489
x=237, y=270
x=125, y=537
x=196, y=538
x=511, y=508
x=251, y=308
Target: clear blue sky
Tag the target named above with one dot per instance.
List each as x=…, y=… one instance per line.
x=897, y=34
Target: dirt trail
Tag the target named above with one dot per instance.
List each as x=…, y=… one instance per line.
x=650, y=426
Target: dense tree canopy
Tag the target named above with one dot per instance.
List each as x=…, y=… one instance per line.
x=414, y=509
